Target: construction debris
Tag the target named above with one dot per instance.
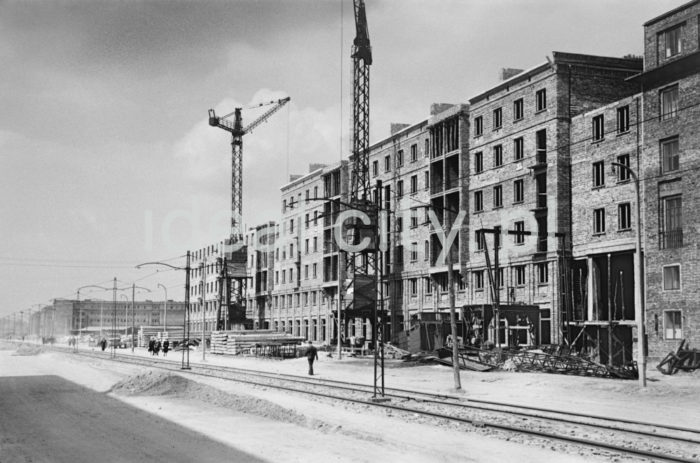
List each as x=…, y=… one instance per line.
x=682, y=359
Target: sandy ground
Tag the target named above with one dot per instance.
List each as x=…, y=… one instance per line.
x=277, y=426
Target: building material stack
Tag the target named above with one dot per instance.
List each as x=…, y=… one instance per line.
x=244, y=342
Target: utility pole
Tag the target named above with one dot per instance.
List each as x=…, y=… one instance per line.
x=203, y=269
x=165, y=309
x=453, y=315
x=186, y=328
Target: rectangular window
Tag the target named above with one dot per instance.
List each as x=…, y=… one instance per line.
x=306, y=272
x=399, y=158
x=669, y=155
x=623, y=175
x=668, y=103
x=399, y=188
x=479, y=240
x=671, y=222
x=623, y=119
x=598, y=174
x=671, y=41
x=306, y=246
x=518, y=149
x=542, y=273
x=428, y=286
x=518, y=111
x=624, y=216
x=599, y=221
x=414, y=286
x=518, y=191
x=497, y=118
x=598, y=128
x=314, y=270
x=519, y=236
x=375, y=168
x=315, y=243
x=498, y=155
x=541, y=100
x=478, y=126
x=414, y=252
x=478, y=280
x=306, y=220
x=414, y=217
x=541, y=146
x=478, y=162
x=478, y=201
x=414, y=184
x=387, y=163
x=399, y=224
x=427, y=148
x=498, y=196
x=426, y=174
x=672, y=278
x=673, y=326
x=414, y=152
x=519, y=275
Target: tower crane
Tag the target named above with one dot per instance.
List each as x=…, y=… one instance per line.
x=363, y=267
x=237, y=131
x=234, y=259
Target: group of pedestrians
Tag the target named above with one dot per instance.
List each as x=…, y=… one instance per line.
x=155, y=346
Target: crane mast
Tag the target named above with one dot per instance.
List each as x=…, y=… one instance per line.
x=362, y=59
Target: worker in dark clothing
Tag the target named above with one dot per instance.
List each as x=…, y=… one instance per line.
x=166, y=347
x=103, y=344
x=311, y=355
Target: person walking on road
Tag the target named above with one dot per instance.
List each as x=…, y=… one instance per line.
x=151, y=345
x=311, y=355
x=103, y=344
x=156, y=347
x=166, y=347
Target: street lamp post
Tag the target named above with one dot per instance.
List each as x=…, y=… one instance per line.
x=186, y=316
x=165, y=308
x=638, y=296
x=133, y=312
x=80, y=308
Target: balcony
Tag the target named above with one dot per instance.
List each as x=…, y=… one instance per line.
x=671, y=239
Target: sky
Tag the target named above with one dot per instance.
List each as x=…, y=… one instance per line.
x=106, y=156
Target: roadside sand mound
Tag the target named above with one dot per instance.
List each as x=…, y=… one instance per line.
x=28, y=349
x=154, y=383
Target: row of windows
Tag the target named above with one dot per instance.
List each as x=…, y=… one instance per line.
x=292, y=203
x=624, y=219
x=518, y=112
x=304, y=299
x=307, y=275
x=518, y=274
x=518, y=152
x=399, y=159
x=518, y=196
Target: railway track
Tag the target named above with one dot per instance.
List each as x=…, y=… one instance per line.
x=618, y=437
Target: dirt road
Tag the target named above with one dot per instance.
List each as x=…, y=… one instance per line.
x=50, y=419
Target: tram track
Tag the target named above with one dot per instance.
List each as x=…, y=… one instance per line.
x=652, y=441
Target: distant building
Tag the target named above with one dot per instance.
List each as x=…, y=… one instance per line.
x=67, y=317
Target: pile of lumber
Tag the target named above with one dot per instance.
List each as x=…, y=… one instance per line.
x=255, y=342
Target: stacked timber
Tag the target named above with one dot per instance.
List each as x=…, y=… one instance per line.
x=218, y=342
x=251, y=341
